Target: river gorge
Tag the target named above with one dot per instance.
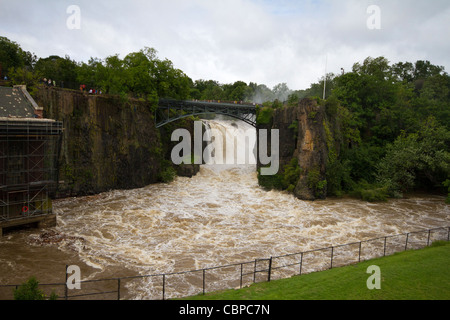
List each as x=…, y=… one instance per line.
x=219, y=216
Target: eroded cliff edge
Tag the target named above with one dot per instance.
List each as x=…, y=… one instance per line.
x=305, y=147
x=107, y=143
x=110, y=143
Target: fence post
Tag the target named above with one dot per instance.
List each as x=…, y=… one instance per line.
x=428, y=240
x=254, y=272
x=359, y=254
x=301, y=263
x=203, y=281
x=406, y=243
x=118, y=289
x=270, y=269
x=240, y=282
x=65, y=286
x=384, y=251
x=448, y=234
x=331, y=262
x=164, y=286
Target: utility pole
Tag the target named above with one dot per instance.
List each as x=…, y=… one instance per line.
x=325, y=79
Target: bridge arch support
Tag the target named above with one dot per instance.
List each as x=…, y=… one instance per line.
x=172, y=110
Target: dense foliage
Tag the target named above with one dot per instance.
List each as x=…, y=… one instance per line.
x=139, y=74
x=394, y=122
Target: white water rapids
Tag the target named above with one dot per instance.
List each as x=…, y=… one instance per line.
x=218, y=217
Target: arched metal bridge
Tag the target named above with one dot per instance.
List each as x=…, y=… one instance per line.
x=171, y=110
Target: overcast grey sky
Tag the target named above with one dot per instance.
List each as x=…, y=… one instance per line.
x=262, y=41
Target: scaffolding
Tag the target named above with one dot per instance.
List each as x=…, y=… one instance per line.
x=29, y=150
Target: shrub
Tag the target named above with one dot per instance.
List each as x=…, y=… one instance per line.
x=264, y=115
x=294, y=127
x=419, y=159
x=339, y=178
x=282, y=181
x=270, y=182
x=30, y=291
x=446, y=183
x=316, y=183
x=370, y=192
x=168, y=175
x=291, y=175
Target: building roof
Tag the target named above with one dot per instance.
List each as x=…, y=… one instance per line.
x=15, y=103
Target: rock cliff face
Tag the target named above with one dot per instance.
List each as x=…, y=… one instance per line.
x=107, y=143
x=112, y=144
x=183, y=170
x=303, y=137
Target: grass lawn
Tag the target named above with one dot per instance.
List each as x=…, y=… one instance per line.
x=410, y=275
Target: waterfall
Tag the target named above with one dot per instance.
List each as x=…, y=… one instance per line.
x=230, y=144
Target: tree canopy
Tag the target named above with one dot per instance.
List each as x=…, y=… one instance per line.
x=395, y=122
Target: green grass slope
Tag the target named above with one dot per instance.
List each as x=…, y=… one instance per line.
x=410, y=275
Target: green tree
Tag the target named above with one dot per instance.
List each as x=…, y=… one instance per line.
x=20, y=76
x=419, y=159
x=281, y=92
x=138, y=71
x=293, y=99
x=115, y=81
x=424, y=69
x=208, y=89
x=446, y=184
x=291, y=175
x=12, y=56
x=91, y=73
x=260, y=94
x=380, y=110
x=171, y=82
x=236, y=92
x=403, y=71
x=61, y=70
x=370, y=92
x=30, y=291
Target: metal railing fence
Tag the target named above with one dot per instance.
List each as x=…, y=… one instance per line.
x=238, y=275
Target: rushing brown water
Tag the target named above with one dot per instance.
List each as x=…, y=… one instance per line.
x=218, y=217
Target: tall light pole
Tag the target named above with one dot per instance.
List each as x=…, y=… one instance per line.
x=325, y=79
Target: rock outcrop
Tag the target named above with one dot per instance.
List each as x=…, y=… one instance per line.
x=303, y=137
x=107, y=143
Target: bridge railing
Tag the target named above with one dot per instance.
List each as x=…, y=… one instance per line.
x=214, y=102
x=238, y=275
x=172, y=110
